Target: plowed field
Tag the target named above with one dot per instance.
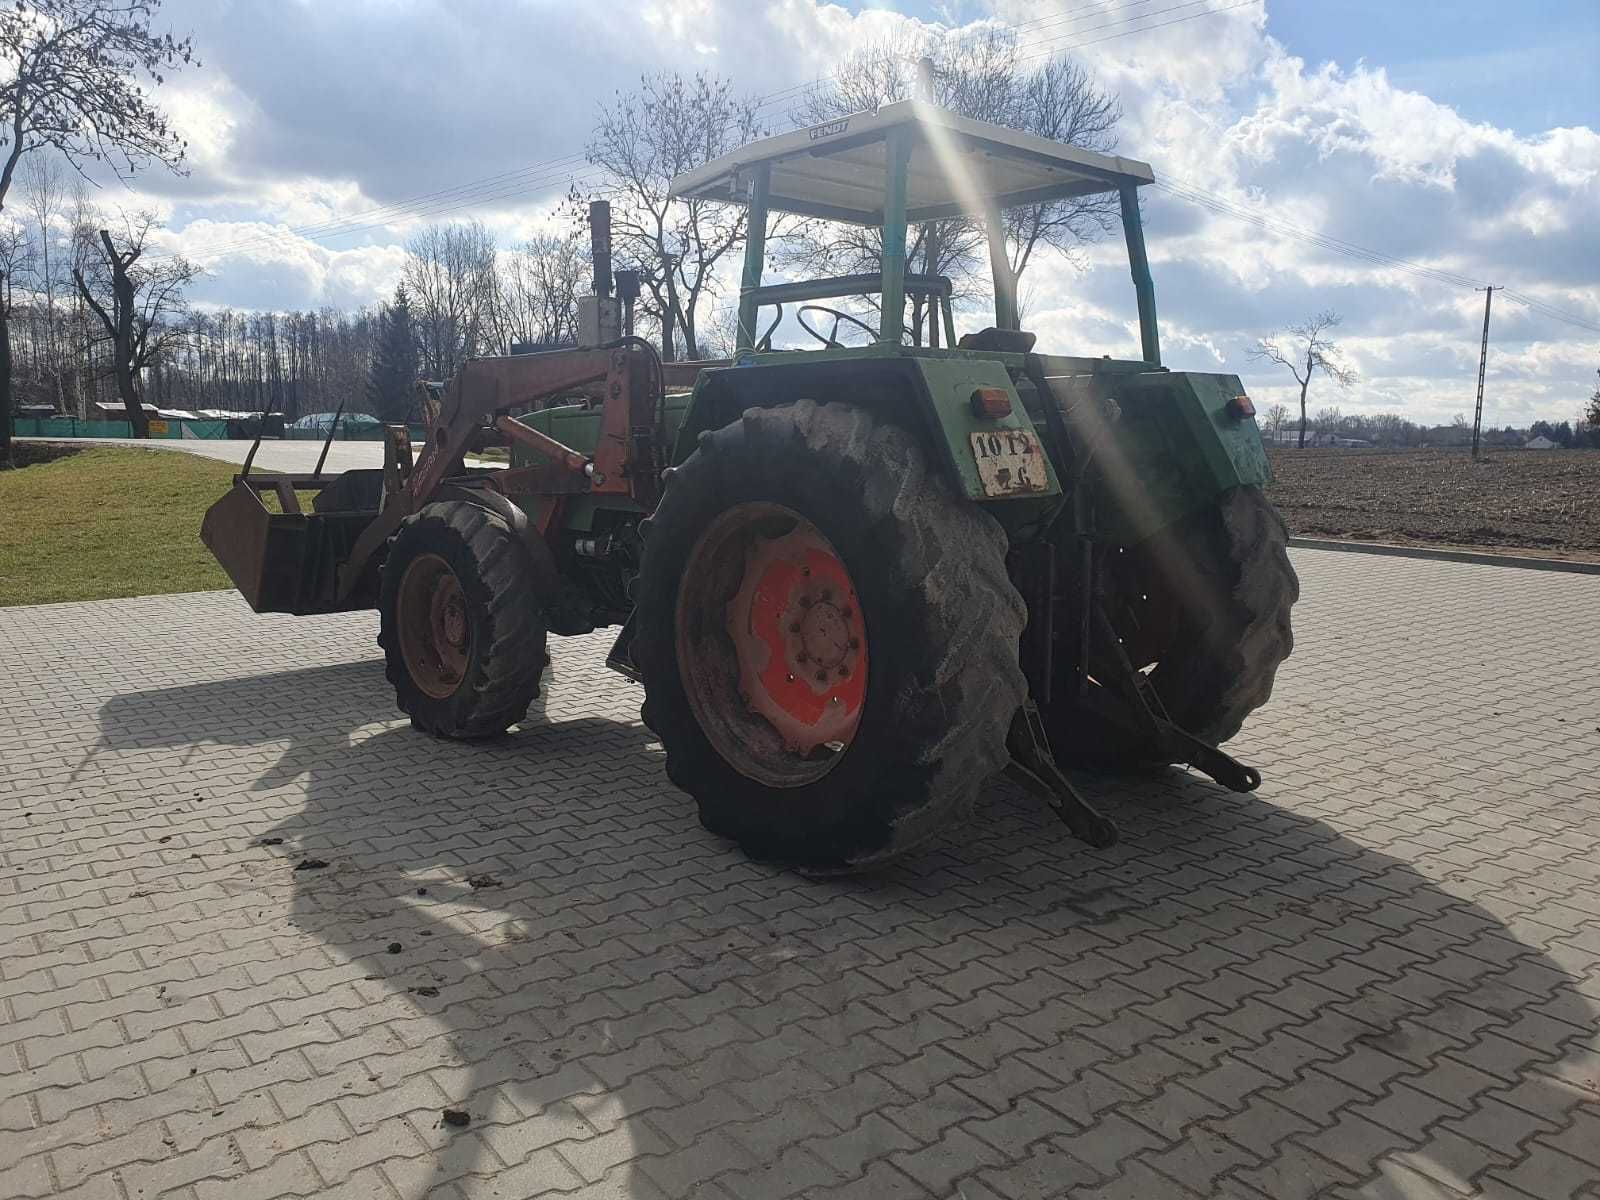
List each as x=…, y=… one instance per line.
x=1540, y=501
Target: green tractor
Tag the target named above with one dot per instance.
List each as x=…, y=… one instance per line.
x=855, y=581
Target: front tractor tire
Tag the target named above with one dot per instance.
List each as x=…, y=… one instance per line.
x=827, y=638
x=1203, y=609
x=462, y=635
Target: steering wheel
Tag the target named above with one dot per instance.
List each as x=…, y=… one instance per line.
x=764, y=342
x=832, y=341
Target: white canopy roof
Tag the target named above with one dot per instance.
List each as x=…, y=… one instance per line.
x=958, y=166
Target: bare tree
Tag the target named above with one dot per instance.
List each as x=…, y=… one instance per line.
x=1277, y=417
x=449, y=274
x=138, y=304
x=14, y=259
x=985, y=77
x=82, y=253
x=539, y=286
x=720, y=336
x=670, y=124
x=73, y=72
x=876, y=74
x=1306, y=349
x=42, y=195
x=1061, y=101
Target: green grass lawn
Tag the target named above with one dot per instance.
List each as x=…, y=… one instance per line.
x=102, y=523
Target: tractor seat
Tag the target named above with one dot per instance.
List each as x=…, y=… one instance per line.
x=1006, y=341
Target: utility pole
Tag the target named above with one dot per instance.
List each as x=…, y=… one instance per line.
x=1483, y=361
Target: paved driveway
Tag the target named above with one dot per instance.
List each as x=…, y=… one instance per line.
x=1377, y=976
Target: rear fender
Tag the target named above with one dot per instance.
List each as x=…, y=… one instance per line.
x=1177, y=444
x=565, y=609
x=930, y=396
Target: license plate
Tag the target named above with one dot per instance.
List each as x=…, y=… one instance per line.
x=1010, y=462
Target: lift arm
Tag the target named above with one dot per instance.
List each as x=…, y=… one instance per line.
x=624, y=376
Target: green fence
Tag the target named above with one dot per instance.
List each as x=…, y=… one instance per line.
x=71, y=427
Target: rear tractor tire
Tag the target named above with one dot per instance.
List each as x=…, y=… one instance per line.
x=462, y=635
x=827, y=637
x=1203, y=607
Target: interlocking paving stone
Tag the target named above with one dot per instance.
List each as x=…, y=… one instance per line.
x=1379, y=975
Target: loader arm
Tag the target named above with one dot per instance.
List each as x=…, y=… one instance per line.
x=624, y=376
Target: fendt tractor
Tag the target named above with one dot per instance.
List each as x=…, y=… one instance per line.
x=855, y=580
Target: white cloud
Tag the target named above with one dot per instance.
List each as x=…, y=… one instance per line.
x=309, y=114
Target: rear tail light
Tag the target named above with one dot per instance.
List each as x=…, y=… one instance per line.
x=991, y=402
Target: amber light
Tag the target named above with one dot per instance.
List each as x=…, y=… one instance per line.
x=991, y=402
x=1241, y=407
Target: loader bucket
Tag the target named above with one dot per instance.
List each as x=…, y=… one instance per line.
x=289, y=561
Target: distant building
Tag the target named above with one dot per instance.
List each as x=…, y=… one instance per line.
x=1539, y=443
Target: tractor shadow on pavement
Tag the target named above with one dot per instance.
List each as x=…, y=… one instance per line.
x=536, y=932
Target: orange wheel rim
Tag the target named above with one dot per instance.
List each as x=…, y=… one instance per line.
x=772, y=645
x=801, y=643
x=435, y=634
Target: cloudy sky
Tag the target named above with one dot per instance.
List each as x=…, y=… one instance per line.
x=1463, y=138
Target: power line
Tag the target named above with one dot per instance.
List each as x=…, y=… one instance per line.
x=1550, y=310
x=1226, y=208
x=526, y=179
x=1222, y=207
x=1051, y=46
x=990, y=26
x=535, y=176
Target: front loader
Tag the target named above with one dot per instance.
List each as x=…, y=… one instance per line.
x=855, y=581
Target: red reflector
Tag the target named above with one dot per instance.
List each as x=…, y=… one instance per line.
x=991, y=402
x=1240, y=407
